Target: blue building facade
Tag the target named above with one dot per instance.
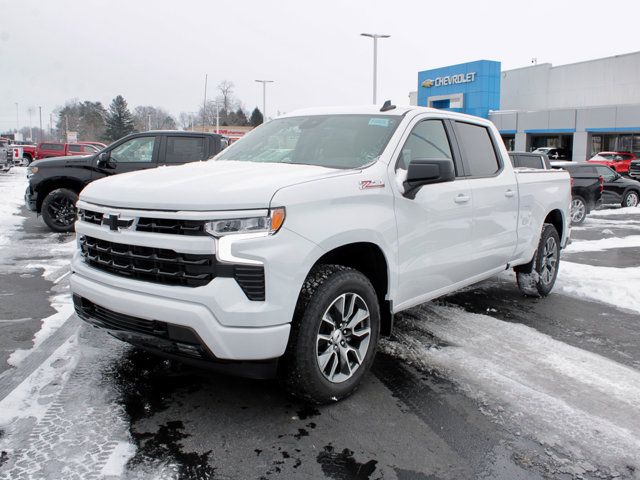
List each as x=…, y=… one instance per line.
x=472, y=88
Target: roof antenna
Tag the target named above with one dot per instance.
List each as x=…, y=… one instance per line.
x=387, y=106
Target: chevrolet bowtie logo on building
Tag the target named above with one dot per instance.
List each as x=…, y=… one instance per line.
x=115, y=223
x=450, y=80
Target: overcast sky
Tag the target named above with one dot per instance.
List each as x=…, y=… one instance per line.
x=157, y=52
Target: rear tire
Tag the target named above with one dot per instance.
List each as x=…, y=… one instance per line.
x=334, y=335
x=631, y=199
x=578, y=210
x=538, y=278
x=59, y=210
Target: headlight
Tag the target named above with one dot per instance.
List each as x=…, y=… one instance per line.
x=31, y=170
x=269, y=224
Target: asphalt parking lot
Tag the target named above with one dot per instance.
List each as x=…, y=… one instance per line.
x=480, y=384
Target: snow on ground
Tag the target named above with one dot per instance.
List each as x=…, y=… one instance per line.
x=574, y=401
x=616, y=286
x=608, y=212
x=603, y=243
x=12, y=187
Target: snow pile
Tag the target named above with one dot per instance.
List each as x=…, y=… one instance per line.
x=615, y=286
x=608, y=212
x=560, y=395
x=12, y=187
x=603, y=244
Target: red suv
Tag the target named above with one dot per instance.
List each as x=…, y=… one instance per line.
x=55, y=149
x=619, y=161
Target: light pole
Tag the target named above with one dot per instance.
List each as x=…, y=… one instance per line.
x=17, y=117
x=375, y=37
x=204, y=103
x=264, y=98
x=40, y=113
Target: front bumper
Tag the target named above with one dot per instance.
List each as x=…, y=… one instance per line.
x=31, y=199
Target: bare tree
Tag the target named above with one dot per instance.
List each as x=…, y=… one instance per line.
x=225, y=88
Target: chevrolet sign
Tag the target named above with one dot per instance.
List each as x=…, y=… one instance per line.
x=450, y=80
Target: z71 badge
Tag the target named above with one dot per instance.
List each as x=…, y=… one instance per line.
x=364, y=184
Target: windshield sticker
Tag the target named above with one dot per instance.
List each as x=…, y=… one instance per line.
x=379, y=122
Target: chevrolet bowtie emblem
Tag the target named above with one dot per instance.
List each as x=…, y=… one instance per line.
x=114, y=222
x=427, y=83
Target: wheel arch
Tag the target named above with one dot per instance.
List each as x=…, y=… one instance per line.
x=52, y=184
x=368, y=258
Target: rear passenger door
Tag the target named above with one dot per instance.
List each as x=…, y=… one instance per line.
x=494, y=193
x=179, y=149
x=612, y=191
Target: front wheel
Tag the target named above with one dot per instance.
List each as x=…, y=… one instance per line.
x=631, y=199
x=578, y=210
x=538, y=278
x=334, y=335
x=59, y=210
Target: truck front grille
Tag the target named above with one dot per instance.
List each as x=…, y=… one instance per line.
x=159, y=265
x=634, y=169
x=171, y=226
x=91, y=217
x=151, y=264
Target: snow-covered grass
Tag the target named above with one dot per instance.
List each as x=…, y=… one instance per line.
x=561, y=396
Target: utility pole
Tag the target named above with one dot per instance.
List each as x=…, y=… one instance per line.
x=217, y=117
x=148, y=121
x=40, y=114
x=66, y=128
x=17, y=117
x=375, y=37
x=204, y=104
x=30, y=112
x=264, y=98
x=51, y=125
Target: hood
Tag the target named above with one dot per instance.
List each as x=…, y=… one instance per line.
x=63, y=161
x=212, y=185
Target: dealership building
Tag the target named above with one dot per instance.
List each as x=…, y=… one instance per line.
x=583, y=107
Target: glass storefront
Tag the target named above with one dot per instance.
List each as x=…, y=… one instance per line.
x=509, y=142
x=614, y=142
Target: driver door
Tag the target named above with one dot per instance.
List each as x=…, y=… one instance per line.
x=138, y=153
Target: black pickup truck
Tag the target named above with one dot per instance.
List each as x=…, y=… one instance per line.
x=54, y=183
x=587, y=186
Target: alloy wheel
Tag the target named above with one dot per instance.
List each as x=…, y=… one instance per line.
x=578, y=210
x=631, y=200
x=549, y=261
x=62, y=211
x=343, y=337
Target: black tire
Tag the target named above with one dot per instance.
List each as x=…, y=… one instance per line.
x=299, y=369
x=27, y=160
x=536, y=278
x=59, y=210
x=579, y=210
x=631, y=199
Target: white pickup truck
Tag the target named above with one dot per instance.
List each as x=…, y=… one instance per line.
x=289, y=252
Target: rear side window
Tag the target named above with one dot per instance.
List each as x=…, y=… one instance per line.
x=530, y=161
x=75, y=148
x=477, y=147
x=428, y=139
x=52, y=146
x=184, y=149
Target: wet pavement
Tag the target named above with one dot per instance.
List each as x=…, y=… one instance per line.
x=97, y=408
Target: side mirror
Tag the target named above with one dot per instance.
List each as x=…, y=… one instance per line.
x=426, y=171
x=105, y=161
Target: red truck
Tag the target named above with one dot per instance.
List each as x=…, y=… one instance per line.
x=618, y=161
x=55, y=149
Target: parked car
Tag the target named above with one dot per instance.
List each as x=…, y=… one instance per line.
x=618, y=189
x=300, y=241
x=23, y=153
x=56, y=149
x=529, y=160
x=554, y=153
x=54, y=184
x=619, y=161
x=587, y=186
x=98, y=145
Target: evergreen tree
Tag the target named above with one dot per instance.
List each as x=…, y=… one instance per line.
x=119, y=119
x=256, y=117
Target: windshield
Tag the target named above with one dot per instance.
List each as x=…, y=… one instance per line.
x=334, y=141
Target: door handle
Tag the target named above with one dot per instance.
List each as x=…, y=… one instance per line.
x=462, y=198
x=509, y=193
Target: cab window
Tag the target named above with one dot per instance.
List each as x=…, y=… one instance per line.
x=136, y=150
x=428, y=139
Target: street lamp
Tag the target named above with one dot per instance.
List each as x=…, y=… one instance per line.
x=17, y=117
x=264, y=97
x=375, y=37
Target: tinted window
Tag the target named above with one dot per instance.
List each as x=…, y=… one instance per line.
x=428, y=139
x=75, y=148
x=52, y=146
x=608, y=174
x=139, y=150
x=184, y=149
x=477, y=147
x=530, y=161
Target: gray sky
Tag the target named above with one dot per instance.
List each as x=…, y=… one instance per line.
x=157, y=52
